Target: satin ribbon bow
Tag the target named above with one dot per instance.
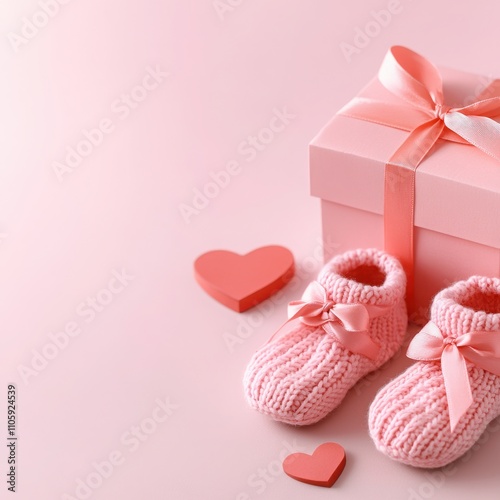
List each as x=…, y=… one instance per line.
x=423, y=112
x=482, y=349
x=417, y=82
x=348, y=323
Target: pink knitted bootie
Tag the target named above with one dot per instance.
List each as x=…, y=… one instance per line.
x=349, y=322
x=436, y=410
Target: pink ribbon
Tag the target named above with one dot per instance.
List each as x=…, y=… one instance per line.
x=482, y=349
x=349, y=323
x=418, y=84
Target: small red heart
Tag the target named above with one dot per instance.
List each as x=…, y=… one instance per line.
x=322, y=468
x=242, y=281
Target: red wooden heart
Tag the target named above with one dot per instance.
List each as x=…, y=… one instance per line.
x=242, y=281
x=322, y=468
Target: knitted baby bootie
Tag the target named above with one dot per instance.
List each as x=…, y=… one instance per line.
x=436, y=410
x=349, y=322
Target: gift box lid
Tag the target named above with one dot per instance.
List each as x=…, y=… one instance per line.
x=457, y=188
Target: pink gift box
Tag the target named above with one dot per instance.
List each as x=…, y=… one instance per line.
x=457, y=193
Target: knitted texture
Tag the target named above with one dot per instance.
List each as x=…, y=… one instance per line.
x=301, y=376
x=409, y=418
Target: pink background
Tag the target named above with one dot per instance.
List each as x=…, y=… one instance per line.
x=161, y=337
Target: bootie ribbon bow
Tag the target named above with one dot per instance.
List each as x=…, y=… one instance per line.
x=481, y=349
x=348, y=323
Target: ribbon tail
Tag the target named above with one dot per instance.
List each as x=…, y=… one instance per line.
x=295, y=310
x=279, y=332
x=299, y=308
x=418, y=144
x=457, y=384
x=480, y=131
x=357, y=342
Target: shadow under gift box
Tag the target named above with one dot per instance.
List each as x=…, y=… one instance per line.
x=457, y=193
